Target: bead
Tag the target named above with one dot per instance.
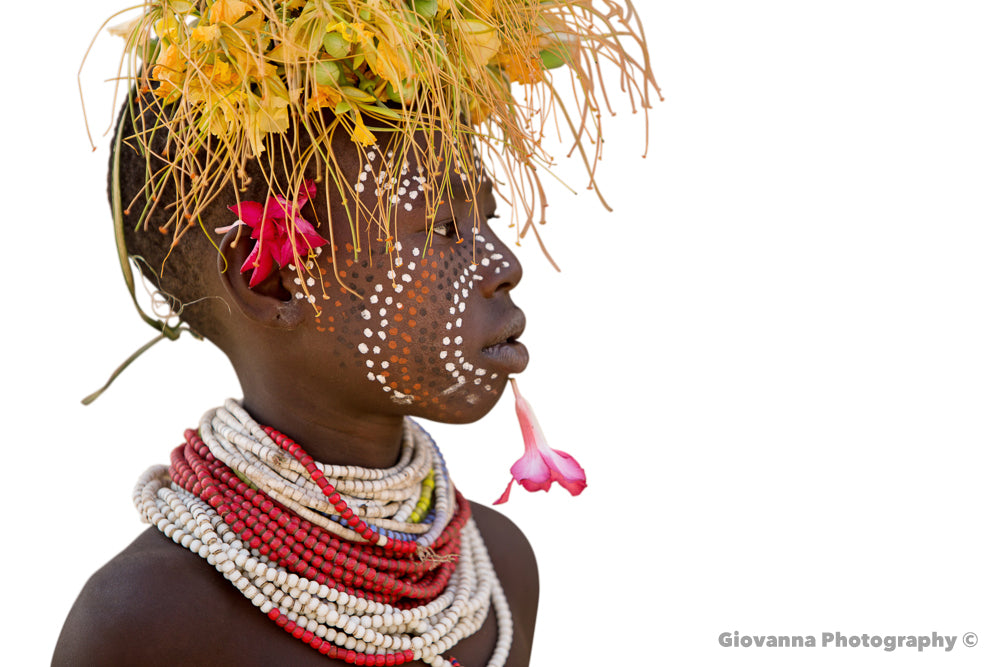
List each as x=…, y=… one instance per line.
x=316, y=574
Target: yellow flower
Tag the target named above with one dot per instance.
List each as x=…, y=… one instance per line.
x=166, y=28
x=482, y=38
x=273, y=115
x=355, y=33
x=206, y=33
x=361, y=134
x=213, y=81
x=125, y=30
x=169, y=71
x=248, y=64
x=388, y=63
x=520, y=68
x=482, y=7
x=228, y=11
x=325, y=96
x=267, y=114
x=219, y=118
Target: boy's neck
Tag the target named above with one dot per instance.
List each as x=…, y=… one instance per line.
x=328, y=434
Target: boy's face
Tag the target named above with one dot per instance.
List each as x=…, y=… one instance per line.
x=432, y=331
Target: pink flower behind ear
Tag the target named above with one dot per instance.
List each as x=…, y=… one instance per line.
x=541, y=465
x=270, y=228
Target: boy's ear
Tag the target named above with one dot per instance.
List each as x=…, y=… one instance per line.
x=271, y=301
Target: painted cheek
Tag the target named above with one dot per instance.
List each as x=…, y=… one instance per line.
x=455, y=352
x=393, y=323
x=407, y=327
x=337, y=300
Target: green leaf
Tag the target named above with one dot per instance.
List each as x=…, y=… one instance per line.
x=396, y=96
x=551, y=59
x=342, y=107
x=356, y=95
x=336, y=45
x=381, y=110
x=426, y=8
x=328, y=73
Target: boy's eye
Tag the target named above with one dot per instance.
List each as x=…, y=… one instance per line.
x=444, y=228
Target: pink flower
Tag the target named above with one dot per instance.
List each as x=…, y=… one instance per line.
x=541, y=465
x=271, y=228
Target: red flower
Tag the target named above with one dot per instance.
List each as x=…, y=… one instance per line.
x=541, y=465
x=283, y=236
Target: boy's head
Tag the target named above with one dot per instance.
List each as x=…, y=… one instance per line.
x=404, y=306
x=342, y=134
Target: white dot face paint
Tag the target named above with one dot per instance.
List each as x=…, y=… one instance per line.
x=419, y=294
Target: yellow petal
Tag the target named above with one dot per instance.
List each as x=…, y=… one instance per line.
x=166, y=28
x=125, y=30
x=388, y=63
x=228, y=11
x=325, y=96
x=361, y=134
x=483, y=40
x=482, y=7
x=355, y=33
x=521, y=69
x=206, y=33
x=169, y=70
x=250, y=64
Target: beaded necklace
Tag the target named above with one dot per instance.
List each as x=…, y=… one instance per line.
x=369, y=566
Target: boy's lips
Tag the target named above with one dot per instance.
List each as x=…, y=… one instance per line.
x=504, y=349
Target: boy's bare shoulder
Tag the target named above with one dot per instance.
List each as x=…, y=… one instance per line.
x=509, y=548
x=515, y=565
x=157, y=603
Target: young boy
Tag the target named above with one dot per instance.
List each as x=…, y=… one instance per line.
x=307, y=376
x=328, y=153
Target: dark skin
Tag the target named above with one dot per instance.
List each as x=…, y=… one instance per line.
x=315, y=378
x=158, y=604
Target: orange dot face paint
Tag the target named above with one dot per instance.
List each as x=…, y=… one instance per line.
x=433, y=329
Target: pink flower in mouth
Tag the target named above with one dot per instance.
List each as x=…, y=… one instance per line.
x=278, y=242
x=541, y=465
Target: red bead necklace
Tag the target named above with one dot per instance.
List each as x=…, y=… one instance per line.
x=391, y=574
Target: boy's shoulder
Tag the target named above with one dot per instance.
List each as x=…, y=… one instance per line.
x=153, y=603
x=156, y=603
x=515, y=565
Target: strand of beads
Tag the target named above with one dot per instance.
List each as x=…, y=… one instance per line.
x=365, y=597
x=303, y=547
x=234, y=438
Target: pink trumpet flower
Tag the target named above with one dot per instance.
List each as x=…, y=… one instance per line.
x=541, y=465
x=278, y=242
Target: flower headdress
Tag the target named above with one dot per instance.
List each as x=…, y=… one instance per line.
x=232, y=81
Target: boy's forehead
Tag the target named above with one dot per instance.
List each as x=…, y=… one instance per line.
x=425, y=172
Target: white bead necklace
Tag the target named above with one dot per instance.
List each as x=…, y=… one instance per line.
x=384, y=498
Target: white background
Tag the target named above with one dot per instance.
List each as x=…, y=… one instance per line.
x=777, y=359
